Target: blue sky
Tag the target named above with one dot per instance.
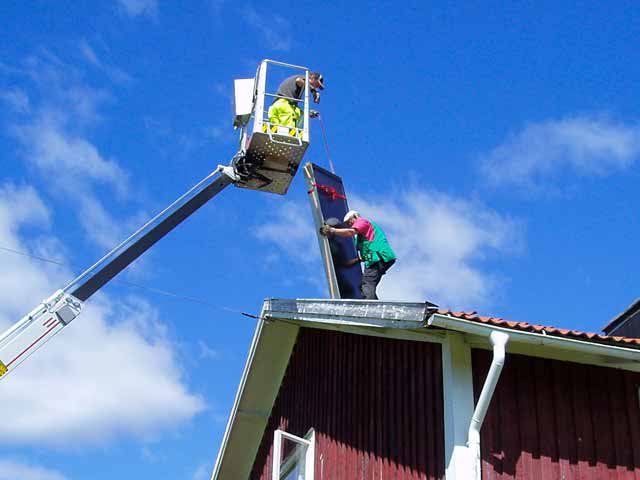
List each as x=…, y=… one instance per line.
x=496, y=145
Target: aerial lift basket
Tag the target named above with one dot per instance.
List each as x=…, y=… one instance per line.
x=269, y=153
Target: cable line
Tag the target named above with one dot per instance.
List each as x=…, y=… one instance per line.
x=326, y=143
x=17, y=252
x=157, y=291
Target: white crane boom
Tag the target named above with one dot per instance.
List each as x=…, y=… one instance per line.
x=269, y=159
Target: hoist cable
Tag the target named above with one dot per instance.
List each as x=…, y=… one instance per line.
x=326, y=143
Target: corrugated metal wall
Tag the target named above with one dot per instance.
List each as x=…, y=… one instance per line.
x=559, y=420
x=375, y=404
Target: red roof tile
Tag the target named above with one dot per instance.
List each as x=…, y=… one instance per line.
x=543, y=330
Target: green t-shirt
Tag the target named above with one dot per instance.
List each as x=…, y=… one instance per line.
x=372, y=243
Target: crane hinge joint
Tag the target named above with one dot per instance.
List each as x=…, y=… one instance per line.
x=64, y=306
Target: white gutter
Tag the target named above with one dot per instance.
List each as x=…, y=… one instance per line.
x=624, y=357
x=499, y=341
x=631, y=355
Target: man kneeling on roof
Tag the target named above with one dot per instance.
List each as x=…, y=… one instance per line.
x=372, y=246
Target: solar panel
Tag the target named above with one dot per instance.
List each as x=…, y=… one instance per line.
x=329, y=204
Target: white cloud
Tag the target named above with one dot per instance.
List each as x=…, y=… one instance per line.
x=99, y=225
x=274, y=29
x=112, y=372
x=52, y=149
x=203, y=472
x=206, y=352
x=66, y=99
x=78, y=167
x=586, y=145
x=441, y=243
x=217, y=133
x=89, y=54
x=149, y=455
x=291, y=229
x=134, y=8
x=14, y=470
x=20, y=206
x=117, y=75
x=54, y=139
x=17, y=100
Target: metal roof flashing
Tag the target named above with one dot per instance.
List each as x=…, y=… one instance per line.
x=366, y=313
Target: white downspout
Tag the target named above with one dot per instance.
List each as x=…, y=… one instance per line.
x=499, y=341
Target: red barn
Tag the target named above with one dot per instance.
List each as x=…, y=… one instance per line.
x=351, y=389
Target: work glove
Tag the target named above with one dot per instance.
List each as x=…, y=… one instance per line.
x=326, y=230
x=316, y=96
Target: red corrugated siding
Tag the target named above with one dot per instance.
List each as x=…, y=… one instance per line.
x=375, y=404
x=559, y=420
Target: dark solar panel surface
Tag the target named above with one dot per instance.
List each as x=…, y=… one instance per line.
x=333, y=204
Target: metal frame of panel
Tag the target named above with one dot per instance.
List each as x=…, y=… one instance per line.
x=318, y=220
x=346, y=279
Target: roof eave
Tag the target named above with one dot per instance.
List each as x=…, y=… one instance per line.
x=266, y=364
x=279, y=323
x=365, y=313
x=621, y=355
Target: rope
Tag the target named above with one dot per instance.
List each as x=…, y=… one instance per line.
x=143, y=287
x=17, y=252
x=326, y=143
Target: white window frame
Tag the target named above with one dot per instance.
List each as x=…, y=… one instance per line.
x=309, y=442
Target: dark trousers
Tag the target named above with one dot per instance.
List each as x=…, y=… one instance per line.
x=371, y=278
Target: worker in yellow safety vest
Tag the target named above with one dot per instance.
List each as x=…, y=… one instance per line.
x=285, y=111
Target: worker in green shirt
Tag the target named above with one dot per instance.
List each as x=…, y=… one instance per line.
x=373, y=248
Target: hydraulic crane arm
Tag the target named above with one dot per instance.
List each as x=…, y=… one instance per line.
x=268, y=159
x=53, y=314
x=124, y=254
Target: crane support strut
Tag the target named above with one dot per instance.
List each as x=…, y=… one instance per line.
x=36, y=328
x=267, y=161
x=54, y=313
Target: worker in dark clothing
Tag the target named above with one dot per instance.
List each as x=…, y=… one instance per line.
x=373, y=248
x=341, y=257
x=285, y=111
